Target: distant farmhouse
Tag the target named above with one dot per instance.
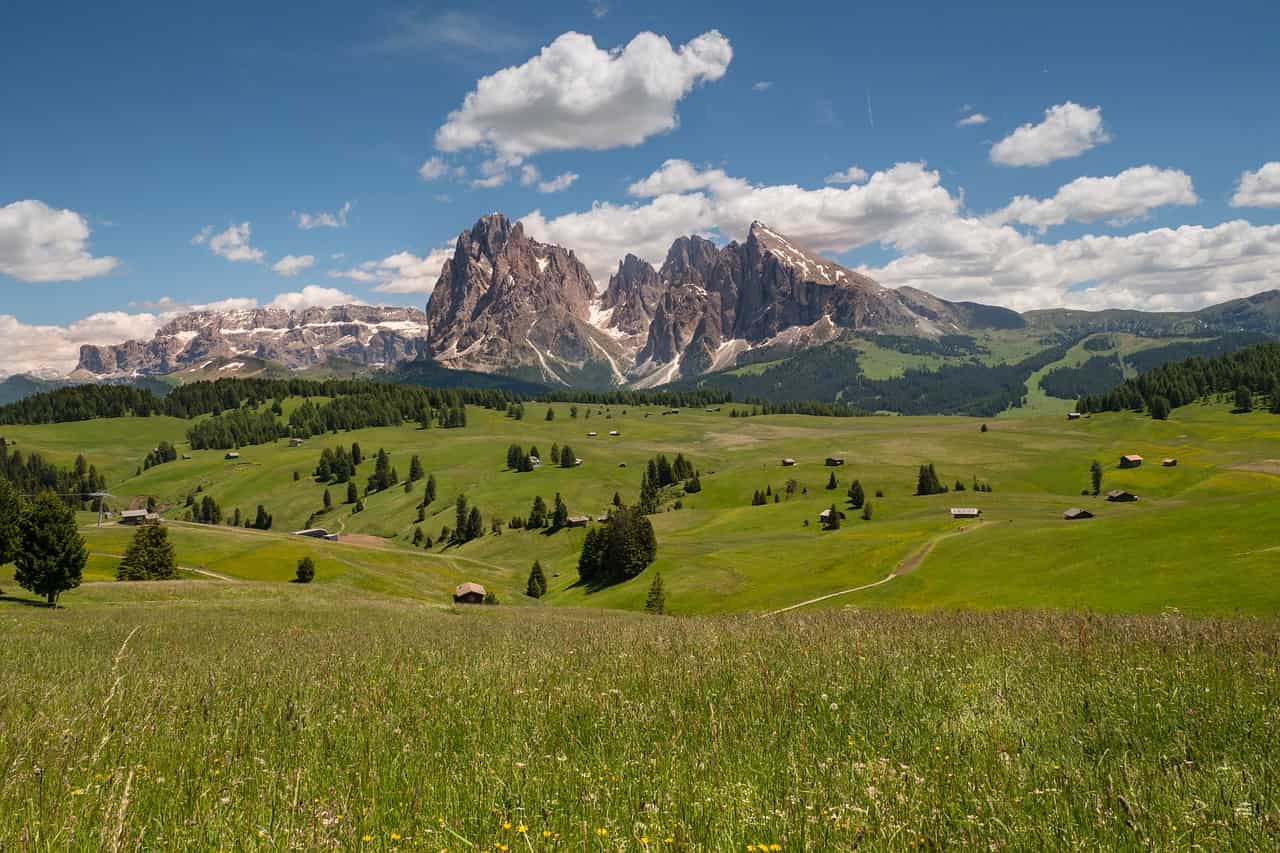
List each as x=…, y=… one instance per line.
x=578, y=520
x=825, y=516
x=966, y=512
x=1076, y=514
x=835, y=461
x=1130, y=460
x=614, y=432
x=232, y=455
x=1121, y=496
x=1169, y=463
x=788, y=462
x=296, y=442
x=469, y=593
x=138, y=516
x=1073, y=416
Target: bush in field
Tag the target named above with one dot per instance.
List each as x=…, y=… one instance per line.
x=306, y=571
x=537, y=586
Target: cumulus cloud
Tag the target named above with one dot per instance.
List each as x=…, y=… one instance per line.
x=1118, y=199
x=403, y=272
x=337, y=219
x=48, y=350
x=575, y=95
x=1260, y=188
x=40, y=244
x=291, y=265
x=313, y=296
x=1068, y=130
x=232, y=244
x=531, y=177
x=435, y=167
x=972, y=119
x=851, y=175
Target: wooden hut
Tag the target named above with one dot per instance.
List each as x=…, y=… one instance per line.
x=1076, y=513
x=469, y=593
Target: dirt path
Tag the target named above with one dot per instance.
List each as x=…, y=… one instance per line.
x=905, y=567
x=191, y=569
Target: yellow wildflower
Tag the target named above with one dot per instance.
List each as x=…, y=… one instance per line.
x=522, y=828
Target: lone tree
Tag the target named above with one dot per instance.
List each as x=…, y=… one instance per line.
x=328, y=500
x=567, y=459
x=656, y=601
x=856, y=495
x=866, y=511
x=560, y=515
x=1095, y=477
x=51, y=555
x=537, y=586
x=551, y=413
x=1160, y=408
x=927, y=482
x=831, y=481
x=1244, y=400
x=833, y=518
x=150, y=556
x=537, y=513
x=430, y=494
x=306, y=571
x=353, y=494
x=10, y=513
x=415, y=469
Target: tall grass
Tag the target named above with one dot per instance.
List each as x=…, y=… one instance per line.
x=248, y=719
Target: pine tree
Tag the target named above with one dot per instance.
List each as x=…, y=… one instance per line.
x=1159, y=408
x=415, y=469
x=515, y=454
x=551, y=413
x=856, y=495
x=866, y=511
x=831, y=481
x=475, y=524
x=555, y=453
x=617, y=499
x=150, y=556
x=537, y=586
x=10, y=514
x=560, y=515
x=460, y=513
x=833, y=518
x=356, y=456
x=262, y=521
x=537, y=513
x=306, y=571
x=567, y=457
x=328, y=500
x=656, y=601
x=422, y=514
x=418, y=537
x=235, y=521
x=353, y=493
x=431, y=488
x=51, y=555
x=1244, y=400
x=1095, y=477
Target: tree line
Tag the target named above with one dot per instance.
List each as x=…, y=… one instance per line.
x=1254, y=370
x=32, y=473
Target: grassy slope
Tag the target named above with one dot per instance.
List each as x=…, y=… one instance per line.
x=260, y=716
x=1197, y=540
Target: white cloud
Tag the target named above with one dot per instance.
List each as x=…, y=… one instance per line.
x=851, y=175
x=40, y=244
x=1118, y=199
x=402, y=272
x=972, y=119
x=530, y=176
x=409, y=32
x=1163, y=269
x=574, y=95
x=435, y=168
x=560, y=182
x=291, y=265
x=1260, y=188
x=313, y=296
x=232, y=244
x=54, y=350
x=762, y=85
x=338, y=219
x=1068, y=130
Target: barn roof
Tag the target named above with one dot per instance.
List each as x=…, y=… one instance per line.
x=467, y=588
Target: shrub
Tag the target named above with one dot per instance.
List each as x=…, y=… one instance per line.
x=306, y=571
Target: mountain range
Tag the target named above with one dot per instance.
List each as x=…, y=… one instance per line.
x=509, y=305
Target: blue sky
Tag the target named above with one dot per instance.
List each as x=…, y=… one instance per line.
x=130, y=132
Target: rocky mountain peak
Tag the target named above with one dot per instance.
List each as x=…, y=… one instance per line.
x=632, y=296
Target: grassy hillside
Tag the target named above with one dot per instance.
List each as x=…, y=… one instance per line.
x=258, y=716
x=1199, y=539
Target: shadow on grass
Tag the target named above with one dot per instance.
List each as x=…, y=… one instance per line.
x=29, y=602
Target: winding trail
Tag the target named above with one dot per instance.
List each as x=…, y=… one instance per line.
x=905, y=567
